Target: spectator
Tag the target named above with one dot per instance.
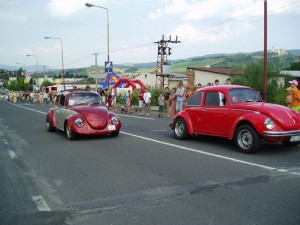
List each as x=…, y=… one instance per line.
x=199, y=86
x=295, y=95
x=217, y=82
x=147, y=102
x=180, y=97
x=228, y=81
x=141, y=101
x=172, y=111
x=161, y=104
x=167, y=100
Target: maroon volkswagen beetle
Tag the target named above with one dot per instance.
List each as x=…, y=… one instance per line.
x=80, y=112
x=237, y=113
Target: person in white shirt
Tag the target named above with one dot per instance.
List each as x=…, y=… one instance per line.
x=147, y=100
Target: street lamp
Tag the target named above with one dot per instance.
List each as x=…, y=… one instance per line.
x=62, y=59
x=92, y=5
x=37, y=70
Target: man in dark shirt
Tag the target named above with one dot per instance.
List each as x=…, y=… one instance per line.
x=167, y=100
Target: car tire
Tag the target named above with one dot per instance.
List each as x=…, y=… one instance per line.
x=247, y=139
x=70, y=134
x=114, y=134
x=291, y=144
x=180, y=129
x=49, y=126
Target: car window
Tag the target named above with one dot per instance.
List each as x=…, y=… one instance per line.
x=215, y=99
x=84, y=98
x=195, y=99
x=243, y=95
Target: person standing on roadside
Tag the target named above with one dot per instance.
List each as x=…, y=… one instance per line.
x=172, y=111
x=295, y=96
x=180, y=93
x=147, y=102
x=161, y=104
x=167, y=101
x=141, y=101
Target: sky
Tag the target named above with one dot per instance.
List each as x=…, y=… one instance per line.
x=202, y=27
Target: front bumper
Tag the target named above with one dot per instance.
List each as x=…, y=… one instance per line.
x=282, y=133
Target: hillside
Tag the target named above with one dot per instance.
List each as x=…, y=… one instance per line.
x=180, y=65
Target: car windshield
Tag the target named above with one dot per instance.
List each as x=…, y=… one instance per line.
x=84, y=98
x=244, y=95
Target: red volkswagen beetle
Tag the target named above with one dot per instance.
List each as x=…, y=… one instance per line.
x=237, y=113
x=80, y=112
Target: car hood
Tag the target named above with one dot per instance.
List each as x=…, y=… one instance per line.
x=95, y=116
x=287, y=118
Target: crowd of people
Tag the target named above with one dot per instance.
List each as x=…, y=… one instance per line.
x=170, y=102
x=41, y=97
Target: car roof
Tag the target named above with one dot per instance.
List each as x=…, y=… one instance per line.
x=77, y=91
x=222, y=87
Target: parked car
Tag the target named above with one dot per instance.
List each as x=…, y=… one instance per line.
x=237, y=113
x=80, y=112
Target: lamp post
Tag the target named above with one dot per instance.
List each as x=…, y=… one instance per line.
x=92, y=5
x=62, y=59
x=37, y=70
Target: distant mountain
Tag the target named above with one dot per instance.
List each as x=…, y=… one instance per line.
x=295, y=52
x=151, y=65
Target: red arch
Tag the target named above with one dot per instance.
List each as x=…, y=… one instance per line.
x=129, y=82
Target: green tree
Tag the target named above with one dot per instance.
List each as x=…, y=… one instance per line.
x=254, y=77
x=295, y=66
x=46, y=83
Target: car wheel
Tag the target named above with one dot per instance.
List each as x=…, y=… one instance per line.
x=114, y=134
x=49, y=126
x=70, y=134
x=180, y=129
x=291, y=144
x=247, y=139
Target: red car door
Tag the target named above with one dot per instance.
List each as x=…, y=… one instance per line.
x=215, y=115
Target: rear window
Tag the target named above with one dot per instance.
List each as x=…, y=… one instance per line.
x=195, y=99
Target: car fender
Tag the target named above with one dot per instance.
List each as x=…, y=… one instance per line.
x=184, y=115
x=52, y=118
x=256, y=119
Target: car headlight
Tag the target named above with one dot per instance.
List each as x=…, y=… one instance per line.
x=269, y=123
x=79, y=122
x=115, y=120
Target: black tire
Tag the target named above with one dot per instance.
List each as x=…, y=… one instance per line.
x=291, y=144
x=49, y=126
x=247, y=139
x=69, y=133
x=180, y=129
x=114, y=134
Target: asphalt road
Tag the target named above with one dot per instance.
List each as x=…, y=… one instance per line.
x=143, y=176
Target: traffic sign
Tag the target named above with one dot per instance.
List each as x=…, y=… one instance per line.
x=108, y=66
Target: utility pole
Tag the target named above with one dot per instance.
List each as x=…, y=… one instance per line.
x=265, y=50
x=96, y=76
x=163, y=68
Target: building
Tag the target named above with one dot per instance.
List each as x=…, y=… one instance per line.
x=208, y=75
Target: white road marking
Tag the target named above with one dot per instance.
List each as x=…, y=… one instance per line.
x=40, y=203
x=201, y=152
x=195, y=150
x=139, y=117
x=12, y=154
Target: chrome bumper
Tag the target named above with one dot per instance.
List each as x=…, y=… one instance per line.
x=282, y=133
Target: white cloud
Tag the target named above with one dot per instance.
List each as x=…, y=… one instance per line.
x=64, y=8
x=205, y=9
x=12, y=16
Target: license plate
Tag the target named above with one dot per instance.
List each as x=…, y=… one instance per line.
x=295, y=138
x=111, y=127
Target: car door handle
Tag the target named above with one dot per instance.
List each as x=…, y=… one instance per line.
x=203, y=110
